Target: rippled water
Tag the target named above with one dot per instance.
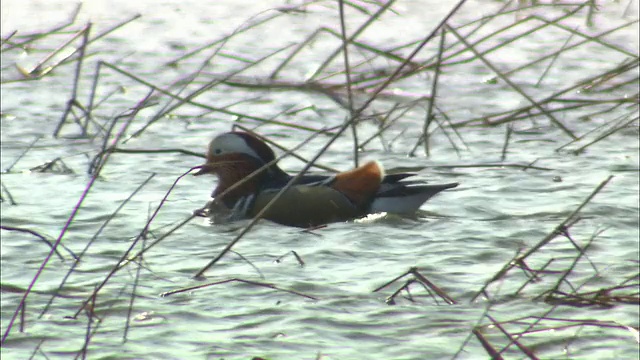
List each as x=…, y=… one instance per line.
x=459, y=240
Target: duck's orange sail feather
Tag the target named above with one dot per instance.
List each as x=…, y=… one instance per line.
x=360, y=184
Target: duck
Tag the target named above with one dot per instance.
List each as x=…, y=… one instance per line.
x=312, y=200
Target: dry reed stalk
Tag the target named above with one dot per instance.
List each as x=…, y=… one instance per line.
x=26, y=150
x=76, y=80
x=160, y=90
x=246, y=26
x=295, y=254
x=535, y=325
x=507, y=137
x=42, y=238
x=64, y=230
x=39, y=35
x=92, y=240
x=250, y=282
x=351, y=40
x=554, y=59
x=424, y=138
x=38, y=349
x=88, y=333
x=512, y=339
x=347, y=73
x=5, y=190
x=513, y=85
x=207, y=86
x=136, y=280
x=552, y=235
x=417, y=276
x=124, y=260
x=55, y=166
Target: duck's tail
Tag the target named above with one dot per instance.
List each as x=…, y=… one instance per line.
x=404, y=198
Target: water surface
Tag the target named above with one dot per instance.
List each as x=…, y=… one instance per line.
x=459, y=239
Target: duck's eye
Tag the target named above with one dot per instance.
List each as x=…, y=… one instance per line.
x=217, y=151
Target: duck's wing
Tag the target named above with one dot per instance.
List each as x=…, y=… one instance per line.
x=271, y=183
x=305, y=206
x=315, y=179
x=341, y=197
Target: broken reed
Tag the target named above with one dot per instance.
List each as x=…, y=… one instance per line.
x=359, y=84
x=568, y=287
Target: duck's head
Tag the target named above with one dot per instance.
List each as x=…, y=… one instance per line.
x=237, y=150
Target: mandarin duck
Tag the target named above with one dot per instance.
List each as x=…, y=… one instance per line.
x=313, y=199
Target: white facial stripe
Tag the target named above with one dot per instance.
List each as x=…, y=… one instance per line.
x=230, y=143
